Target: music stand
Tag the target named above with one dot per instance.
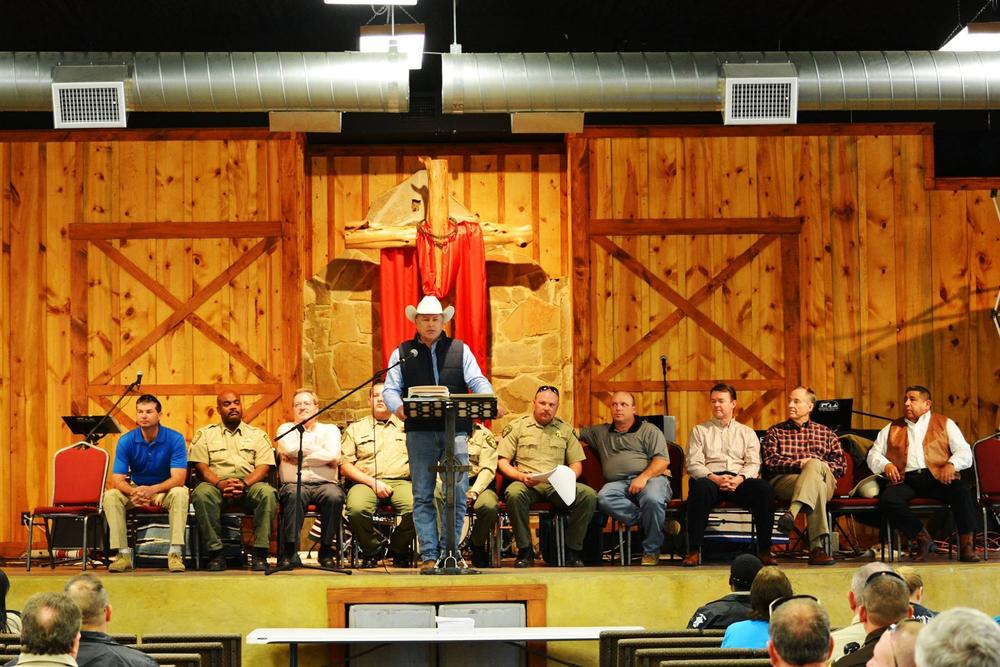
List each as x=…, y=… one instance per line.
x=92, y=427
x=466, y=406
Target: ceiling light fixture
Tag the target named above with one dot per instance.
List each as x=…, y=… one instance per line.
x=369, y=2
x=975, y=37
x=407, y=38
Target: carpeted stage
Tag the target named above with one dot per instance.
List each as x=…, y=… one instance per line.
x=237, y=601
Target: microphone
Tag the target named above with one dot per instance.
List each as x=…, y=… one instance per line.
x=412, y=355
x=663, y=362
x=138, y=380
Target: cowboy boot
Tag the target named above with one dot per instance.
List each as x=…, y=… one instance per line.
x=966, y=550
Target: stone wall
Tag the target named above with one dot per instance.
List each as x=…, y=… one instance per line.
x=530, y=337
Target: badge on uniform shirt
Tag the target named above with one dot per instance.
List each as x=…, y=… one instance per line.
x=507, y=429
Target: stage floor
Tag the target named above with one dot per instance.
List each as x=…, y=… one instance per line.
x=237, y=601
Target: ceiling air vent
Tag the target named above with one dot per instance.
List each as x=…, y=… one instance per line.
x=77, y=105
x=88, y=95
x=760, y=94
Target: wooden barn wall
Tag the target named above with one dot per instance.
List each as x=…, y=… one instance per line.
x=51, y=181
x=897, y=272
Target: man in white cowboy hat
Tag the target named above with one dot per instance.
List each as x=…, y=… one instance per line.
x=444, y=361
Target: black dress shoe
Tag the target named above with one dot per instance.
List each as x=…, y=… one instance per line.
x=325, y=557
x=573, y=558
x=368, y=562
x=402, y=560
x=525, y=558
x=217, y=564
x=258, y=563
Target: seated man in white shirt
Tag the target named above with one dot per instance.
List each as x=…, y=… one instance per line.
x=723, y=460
x=320, y=479
x=921, y=455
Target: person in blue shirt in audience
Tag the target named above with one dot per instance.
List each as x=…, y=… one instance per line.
x=769, y=585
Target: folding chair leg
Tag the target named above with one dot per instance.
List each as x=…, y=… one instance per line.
x=986, y=536
x=560, y=530
x=85, y=518
x=31, y=534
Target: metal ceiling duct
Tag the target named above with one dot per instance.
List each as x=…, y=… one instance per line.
x=666, y=82
x=213, y=82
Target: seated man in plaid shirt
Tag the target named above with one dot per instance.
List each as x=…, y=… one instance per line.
x=803, y=460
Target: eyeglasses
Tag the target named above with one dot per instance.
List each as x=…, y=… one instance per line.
x=777, y=602
x=883, y=573
x=546, y=387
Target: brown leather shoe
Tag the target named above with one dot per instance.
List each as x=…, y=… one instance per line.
x=818, y=556
x=923, y=545
x=693, y=559
x=966, y=549
x=766, y=558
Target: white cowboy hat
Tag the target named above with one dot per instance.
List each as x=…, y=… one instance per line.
x=866, y=488
x=429, y=305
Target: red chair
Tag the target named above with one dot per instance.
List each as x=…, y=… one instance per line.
x=843, y=504
x=79, y=473
x=986, y=463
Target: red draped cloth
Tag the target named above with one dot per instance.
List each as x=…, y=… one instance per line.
x=462, y=267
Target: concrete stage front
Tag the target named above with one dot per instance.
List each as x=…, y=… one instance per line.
x=662, y=597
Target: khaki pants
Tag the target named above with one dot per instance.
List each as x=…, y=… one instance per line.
x=175, y=501
x=813, y=487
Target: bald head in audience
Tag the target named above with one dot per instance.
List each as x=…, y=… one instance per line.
x=800, y=634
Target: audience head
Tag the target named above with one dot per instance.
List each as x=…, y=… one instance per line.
x=623, y=409
x=799, y=633
x=800, y=404
x=4, y=588
x=858, y=581
x=913, y=581
x=885, y=600
x=230, y=408
x=769, y=585
x=545, y=405
x=959, y=637
x=379, y=410
x=916, y=402
x=89, y=594
x=742, y=572
x=896, y=645
x=305, y=402
x=723, y=400
x=50, y=625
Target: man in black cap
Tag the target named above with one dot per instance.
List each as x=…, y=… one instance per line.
x=719, y=614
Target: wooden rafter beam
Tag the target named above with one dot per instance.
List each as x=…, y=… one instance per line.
x=197, y=299
x=110, y=231
x=210, y=389
x=674, y=318
x=602, y=386
x=752, y=410
x=196, y=320
x=705, y=322
x=693, y=226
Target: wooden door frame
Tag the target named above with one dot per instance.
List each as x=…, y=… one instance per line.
x=588, y=231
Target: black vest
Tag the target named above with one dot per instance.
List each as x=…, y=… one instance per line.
x=448, y=354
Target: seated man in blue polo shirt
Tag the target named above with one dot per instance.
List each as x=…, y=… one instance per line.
x=150, y=469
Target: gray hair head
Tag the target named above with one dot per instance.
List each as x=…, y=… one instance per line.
x=90, y=596
x=861, y=576
x=959, y=637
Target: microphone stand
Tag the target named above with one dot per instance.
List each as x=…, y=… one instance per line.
x=301, y=427
x=92, y=436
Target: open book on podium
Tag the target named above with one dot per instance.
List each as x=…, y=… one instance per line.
x=430, y=402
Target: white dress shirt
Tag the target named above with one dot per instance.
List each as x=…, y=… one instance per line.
x=715, y=447
x=320, y=449
x=961, y=453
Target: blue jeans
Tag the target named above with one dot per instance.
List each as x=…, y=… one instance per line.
x=648, y=509
x=426, y=449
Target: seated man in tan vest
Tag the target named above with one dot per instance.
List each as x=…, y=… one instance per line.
x=920, y=455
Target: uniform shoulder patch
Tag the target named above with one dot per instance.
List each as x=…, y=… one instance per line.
x=507, y=429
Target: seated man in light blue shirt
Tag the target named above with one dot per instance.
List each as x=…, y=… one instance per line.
x=438, y=360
